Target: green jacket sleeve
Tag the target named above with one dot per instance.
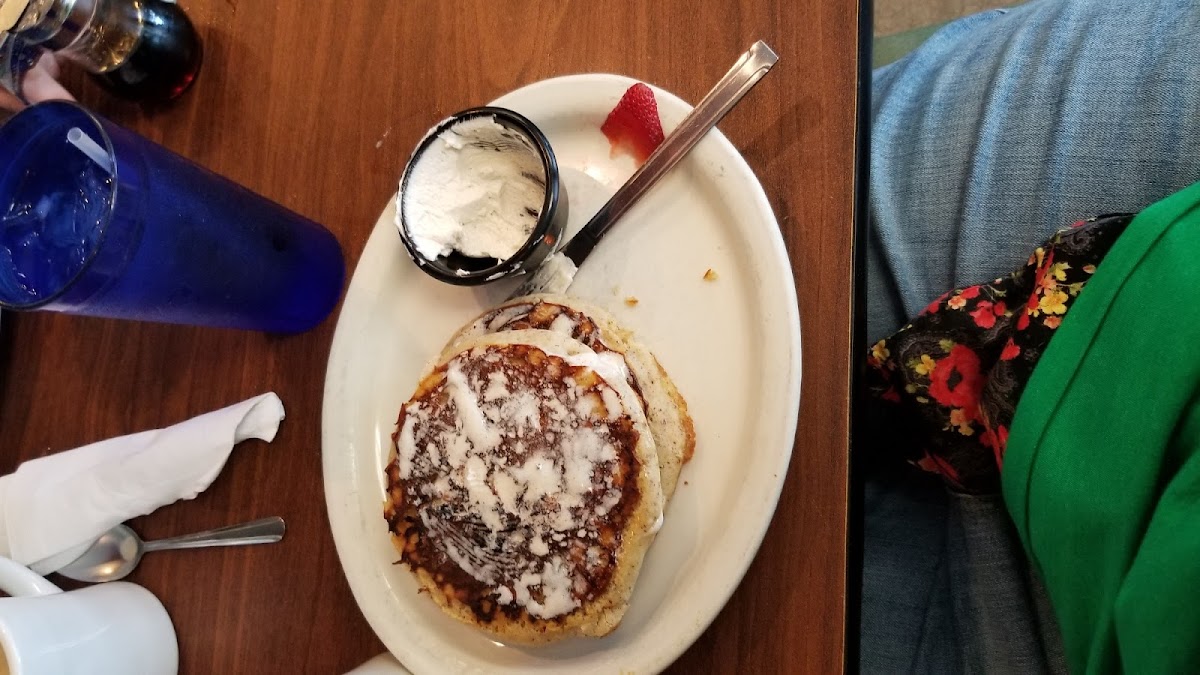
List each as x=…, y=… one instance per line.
x=1102, y=472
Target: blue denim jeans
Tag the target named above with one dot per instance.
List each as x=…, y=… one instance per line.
x=1000, y=129
x=1008, y=125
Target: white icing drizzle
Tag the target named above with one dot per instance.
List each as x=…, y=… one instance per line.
x=502, y=317
x=555, y=580
x=406, y=446
x=496, y=389
x=612, y=403
x=479, y=432
x=524, y=410
x=507, y=491
x=608, y=365
x=563, y=324
x=540, y=476
x=503, y=595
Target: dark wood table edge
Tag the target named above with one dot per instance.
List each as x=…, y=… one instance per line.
x=858, y=332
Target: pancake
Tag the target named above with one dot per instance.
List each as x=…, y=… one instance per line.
x=523, y=486
x=666, y=409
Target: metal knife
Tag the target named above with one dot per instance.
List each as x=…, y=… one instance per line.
x=558, y=270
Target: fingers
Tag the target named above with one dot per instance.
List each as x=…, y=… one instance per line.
x=49, y=63
x=40, y=83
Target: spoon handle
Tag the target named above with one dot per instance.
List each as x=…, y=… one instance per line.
x=262, y=531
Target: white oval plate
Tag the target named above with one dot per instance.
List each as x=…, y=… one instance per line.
x=732, y=345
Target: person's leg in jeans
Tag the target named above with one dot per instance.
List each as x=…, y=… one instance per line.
x=1043, y=114
x=1000, y=129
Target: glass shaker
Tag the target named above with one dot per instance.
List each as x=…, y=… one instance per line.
x=145, y=50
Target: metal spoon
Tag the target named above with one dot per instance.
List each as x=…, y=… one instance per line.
x=117, y=552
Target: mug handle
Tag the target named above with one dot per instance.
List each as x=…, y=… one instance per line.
x=18, y=580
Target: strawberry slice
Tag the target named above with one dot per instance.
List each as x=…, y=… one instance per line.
x=633, y=126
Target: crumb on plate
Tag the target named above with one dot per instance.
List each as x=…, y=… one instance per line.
x=631, y=301
x=710, y=275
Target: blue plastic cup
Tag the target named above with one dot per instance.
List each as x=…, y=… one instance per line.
x=133, y=231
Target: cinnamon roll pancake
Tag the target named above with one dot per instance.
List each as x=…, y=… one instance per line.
x=666, y=409
x=523, y=486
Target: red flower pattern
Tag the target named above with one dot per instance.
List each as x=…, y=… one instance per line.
x=1042, y=269
x=956, y=381
x=1010, y=351
x=984, y=315
x=936, y=304
x=997, y=441
x=958, y=374
x=934, y=464
x=1032, y=304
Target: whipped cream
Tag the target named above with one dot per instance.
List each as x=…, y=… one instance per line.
x=478, y=189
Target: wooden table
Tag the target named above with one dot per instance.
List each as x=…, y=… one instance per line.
x=317, y=105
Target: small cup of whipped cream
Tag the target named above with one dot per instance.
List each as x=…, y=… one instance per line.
x=480, y=198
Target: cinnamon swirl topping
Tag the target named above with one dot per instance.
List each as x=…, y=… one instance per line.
x=514, y=474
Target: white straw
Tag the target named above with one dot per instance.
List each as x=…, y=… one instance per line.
x=90, y=148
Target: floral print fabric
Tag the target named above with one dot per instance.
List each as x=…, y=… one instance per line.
x=943, y=390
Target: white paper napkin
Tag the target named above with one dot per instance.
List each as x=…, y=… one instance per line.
x=53, y=508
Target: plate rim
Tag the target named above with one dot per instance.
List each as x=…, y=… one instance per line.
x=337, y=512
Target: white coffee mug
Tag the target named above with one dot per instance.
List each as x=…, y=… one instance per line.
x=114, y=628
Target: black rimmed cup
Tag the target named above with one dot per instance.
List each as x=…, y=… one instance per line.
x=463, y=270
